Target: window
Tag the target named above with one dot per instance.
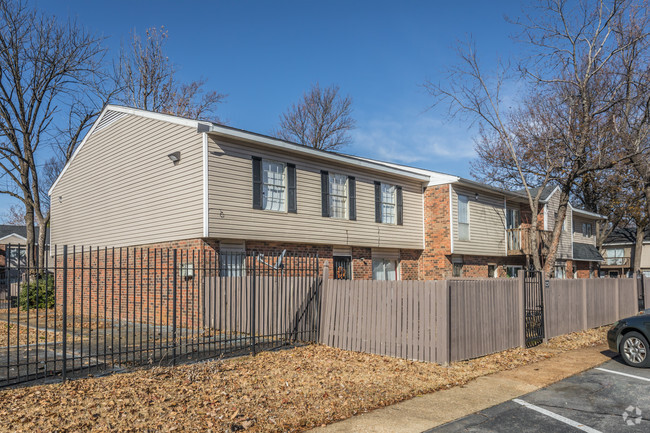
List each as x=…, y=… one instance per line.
x=384, y=269
x=338, y=196
x=560, y=270
x=513, y=220
x=513, y=271
x=385, y=265
x=587, y=230
x=388, y=203
x=273, y=186
x=492, y=271
x=615, y=256
x=232, y=260
x=456, y=267
x=463, y=218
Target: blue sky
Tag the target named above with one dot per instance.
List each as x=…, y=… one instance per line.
x=265, y=54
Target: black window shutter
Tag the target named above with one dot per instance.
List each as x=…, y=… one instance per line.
x=377, y=202
x=325, y=193
x=400, y=206
x=257, y=182
x=352, y=200
x=291, y=175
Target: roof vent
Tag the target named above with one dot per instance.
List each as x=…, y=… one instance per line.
x=109, y=117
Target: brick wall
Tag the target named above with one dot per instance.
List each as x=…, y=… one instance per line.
x=434, y=260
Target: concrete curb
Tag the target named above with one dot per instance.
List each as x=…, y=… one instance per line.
x=431, y=410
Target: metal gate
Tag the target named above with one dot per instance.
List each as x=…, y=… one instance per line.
x=534, y=308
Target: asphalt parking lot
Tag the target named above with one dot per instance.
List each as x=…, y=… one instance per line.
x=610, y=398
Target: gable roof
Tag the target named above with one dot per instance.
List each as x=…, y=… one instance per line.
x=625, y=236
x=7, y=230
x=108, y=115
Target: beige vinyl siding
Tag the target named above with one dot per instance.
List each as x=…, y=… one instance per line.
x=578, y=236
x=122, y=189
x=565, y=249
x=231, y=213
x=487, y=236
x=645, y=257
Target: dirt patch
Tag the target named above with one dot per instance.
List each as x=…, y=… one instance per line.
x=288, y=390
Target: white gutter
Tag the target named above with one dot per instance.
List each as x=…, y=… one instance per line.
x=451, y=221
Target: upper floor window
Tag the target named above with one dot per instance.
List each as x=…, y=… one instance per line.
x=513, y=219
x=274, y=185
x=463, y=217
x=565, y=223
x=587, y=230
x=338, y=196
x=338, y=186
x=388, y=203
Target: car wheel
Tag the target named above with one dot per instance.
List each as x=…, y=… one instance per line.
x=634, y=350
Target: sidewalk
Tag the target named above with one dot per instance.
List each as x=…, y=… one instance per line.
x=431, y=410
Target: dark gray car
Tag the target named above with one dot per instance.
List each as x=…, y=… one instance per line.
x=629, y=337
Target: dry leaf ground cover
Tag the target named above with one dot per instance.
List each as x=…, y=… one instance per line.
x=287, y=390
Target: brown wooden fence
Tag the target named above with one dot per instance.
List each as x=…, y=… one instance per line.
x=450, y=320
x=574, y=305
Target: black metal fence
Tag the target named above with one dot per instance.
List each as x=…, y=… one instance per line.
x=534, y=308
x=89, y=310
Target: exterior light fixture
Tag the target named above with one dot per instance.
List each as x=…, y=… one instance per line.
x=476, y=196
x=175, y=157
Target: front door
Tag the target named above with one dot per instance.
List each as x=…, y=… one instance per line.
x=342, y=267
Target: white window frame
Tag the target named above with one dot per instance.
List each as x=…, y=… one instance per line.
x=386, y=257
x=515, y=268
x=587, y=230
x=559, y=266
x=236, y=250
x=393, y=205
x=346, y=197
x=464, y=198
x=266, y=185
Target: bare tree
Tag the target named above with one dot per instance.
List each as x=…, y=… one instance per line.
x=322, y=119
x=14, y=216
x=49, y=71
x=470, y=92
x=146, y=78
x=573, y=69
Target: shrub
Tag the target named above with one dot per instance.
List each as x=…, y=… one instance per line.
x=38, y=293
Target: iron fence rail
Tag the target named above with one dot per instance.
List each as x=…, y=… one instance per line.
x=102, y=309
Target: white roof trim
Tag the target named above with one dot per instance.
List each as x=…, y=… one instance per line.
x=13, y=234
x=587, y=213
x=269, y=141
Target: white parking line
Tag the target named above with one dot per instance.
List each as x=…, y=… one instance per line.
x=623, y=374
x=557, y=417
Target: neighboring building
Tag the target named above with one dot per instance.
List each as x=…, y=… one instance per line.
x=13, y=252
x=618, y=252
x=147, y=179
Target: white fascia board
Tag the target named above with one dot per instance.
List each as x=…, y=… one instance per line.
x=279, y=144
x=127, y=110
x=13, y=234
x=590, y=214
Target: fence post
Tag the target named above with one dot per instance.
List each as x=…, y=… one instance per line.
x=584, y=304
x=174, y=285
x=252, y=306
x=544, y=283
x=323, y=299
x=64, y=370
x=617, y=298
x=522, y=309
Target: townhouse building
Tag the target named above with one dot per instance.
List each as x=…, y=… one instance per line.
x=147, y=179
